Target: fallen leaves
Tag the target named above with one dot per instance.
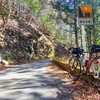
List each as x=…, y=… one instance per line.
x=82, y=90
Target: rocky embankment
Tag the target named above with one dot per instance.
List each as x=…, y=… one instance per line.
x=22, y=42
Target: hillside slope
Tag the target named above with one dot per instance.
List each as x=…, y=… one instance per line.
x=21, y=42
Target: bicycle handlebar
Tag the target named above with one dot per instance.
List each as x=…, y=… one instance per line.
x=77, y=50
x=94, y=45
x=94, y=48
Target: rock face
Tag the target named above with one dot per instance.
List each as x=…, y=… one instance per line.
x=21, y=42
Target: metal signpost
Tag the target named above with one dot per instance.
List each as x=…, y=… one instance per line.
x=84, y=18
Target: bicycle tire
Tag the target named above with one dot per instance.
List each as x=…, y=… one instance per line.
x=93, y=73
x=74, y=68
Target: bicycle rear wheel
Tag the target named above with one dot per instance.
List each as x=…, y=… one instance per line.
x=93, y=73
x=74, y=68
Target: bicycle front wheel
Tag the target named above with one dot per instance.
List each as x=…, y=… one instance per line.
x=74, y=68
x=93, y=73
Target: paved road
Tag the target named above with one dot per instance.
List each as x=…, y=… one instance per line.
x=31, y=82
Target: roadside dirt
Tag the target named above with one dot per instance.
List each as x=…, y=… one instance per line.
x=4, y=67
x=82, y=90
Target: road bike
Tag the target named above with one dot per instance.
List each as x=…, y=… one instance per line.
x=89, y=67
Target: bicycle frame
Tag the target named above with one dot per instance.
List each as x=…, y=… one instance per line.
x=89, y=60
x=88, y=63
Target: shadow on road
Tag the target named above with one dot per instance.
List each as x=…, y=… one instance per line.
x=32, y=82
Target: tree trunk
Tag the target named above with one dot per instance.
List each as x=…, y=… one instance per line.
x=0, y=6
x=7, y=17
x=76, y=36
x=88, y=39
x=94, y=33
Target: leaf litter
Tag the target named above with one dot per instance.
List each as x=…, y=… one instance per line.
x=81, y=90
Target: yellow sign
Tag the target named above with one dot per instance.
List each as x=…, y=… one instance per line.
x=84, y=11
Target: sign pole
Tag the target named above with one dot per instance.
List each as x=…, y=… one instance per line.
x=83, y=39
x=84, y=18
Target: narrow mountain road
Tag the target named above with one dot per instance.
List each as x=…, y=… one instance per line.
x=31, y=82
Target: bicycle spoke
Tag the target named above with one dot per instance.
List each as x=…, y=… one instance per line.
x=74, y=67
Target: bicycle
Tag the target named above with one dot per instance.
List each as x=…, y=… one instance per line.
x=90, y=68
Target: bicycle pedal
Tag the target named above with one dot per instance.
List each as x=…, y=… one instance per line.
x=84, y=73
x=77, y=76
